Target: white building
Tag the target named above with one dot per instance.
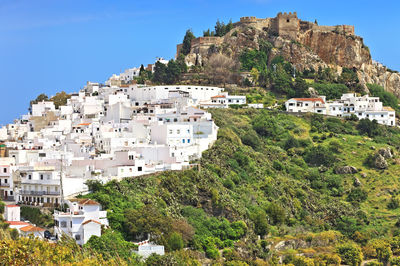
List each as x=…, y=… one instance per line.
x=80, y=221
x=41, y=108
x=363, y=107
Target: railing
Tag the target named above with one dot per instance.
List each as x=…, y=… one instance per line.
x=4, y=184
x=39, y=193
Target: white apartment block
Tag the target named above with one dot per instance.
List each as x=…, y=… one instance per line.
x=364, y=107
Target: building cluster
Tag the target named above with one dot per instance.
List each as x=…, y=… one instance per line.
x=363, y=107
x=104, y=133
x=82, y=219
x=130, y=74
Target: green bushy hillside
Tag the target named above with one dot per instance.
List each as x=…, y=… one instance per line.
x=269, y=180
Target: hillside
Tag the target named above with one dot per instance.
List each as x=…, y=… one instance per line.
x=276, y=176
x=305, y=45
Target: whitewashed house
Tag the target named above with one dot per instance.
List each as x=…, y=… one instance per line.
x=80, y=221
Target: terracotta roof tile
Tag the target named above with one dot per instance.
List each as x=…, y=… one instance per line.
x=16, y=223
x=89, y=221
x=31, y=228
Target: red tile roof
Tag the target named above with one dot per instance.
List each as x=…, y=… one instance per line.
x=10, y=206
x=218, y=96
x=85, y=201
x=309, y=99
x=31, y=228
x=16, y=223
x=90, y=221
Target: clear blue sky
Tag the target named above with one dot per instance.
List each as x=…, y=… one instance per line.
x=52, y=45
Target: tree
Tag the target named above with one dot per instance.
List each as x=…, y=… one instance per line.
x=261, y=226
x=221, y=69
x=371, y=128
x=160, y=73
x=301, y=87
x=42, y=97
x=187, y=42
x=111, y=244
x=60, y=99
x=147, y=220
x=175, y=241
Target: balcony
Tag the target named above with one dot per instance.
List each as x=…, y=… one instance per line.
x=39, y=193
x=4, y=185
x=41, y=181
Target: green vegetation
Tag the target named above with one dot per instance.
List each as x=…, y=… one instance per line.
x=273, y=175
x=387, y=98
x=35, y=216
x=187, y=42
x=220, y=29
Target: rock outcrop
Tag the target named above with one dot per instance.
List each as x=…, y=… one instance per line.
x=380, y=162
x=344, y=170
x=305, y=44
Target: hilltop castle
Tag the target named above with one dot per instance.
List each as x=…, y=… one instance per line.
x=286, y=25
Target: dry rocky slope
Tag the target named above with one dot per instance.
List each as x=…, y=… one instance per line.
x=305, y=44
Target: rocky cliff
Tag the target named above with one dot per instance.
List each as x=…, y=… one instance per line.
x=306, y=45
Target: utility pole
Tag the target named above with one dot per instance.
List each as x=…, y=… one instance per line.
x=61, y=183
x=294, y=71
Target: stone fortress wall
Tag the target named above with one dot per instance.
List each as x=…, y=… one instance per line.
x=284, y=24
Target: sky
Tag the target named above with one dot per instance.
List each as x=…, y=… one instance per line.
x=47, y=46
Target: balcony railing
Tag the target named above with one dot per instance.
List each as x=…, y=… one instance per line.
x=39, y=193
x=4, y=184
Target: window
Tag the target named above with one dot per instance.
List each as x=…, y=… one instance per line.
x=140, y=168
x=5, y=181
x=287, y=20
x=41, y=177
x=64, y=224
x=70, y=223
x=183, y=140
x=178, y=131
x=131, y=157
x=188, y=140
x=77, y=237
x=29, y=176
x=5, y=170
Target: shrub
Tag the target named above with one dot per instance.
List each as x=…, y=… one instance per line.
x=2, y=206
x=394, y=203
x=319, y=155
x=350, y=253
x=175, y=241
x=357, y=195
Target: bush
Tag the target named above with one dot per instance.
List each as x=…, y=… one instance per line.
x=394, y=203
x=357, y=195
x=350, y=253
x=175, y=241
x=2, y=206
x=319, y=155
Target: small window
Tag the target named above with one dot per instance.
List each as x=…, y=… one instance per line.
x=287, y=20
x=29, y=176
x=5, y=170
x=5, y=181
x=41, y=177
x=140, y=168
x=63, y=224
x=77, y=237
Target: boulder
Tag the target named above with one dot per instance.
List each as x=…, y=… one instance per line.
x=357, y=182
x=363, y=175
x=344, y=170
x=380, y=162
x=386, y=153
x=290, y=244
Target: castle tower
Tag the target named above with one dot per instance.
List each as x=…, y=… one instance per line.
x=287, y=25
